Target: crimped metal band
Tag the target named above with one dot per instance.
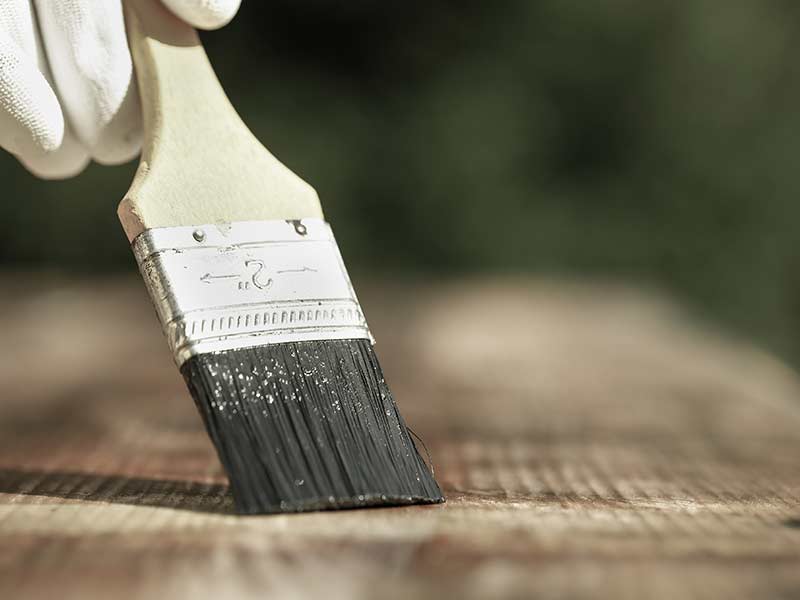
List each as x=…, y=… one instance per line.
x=248, y=283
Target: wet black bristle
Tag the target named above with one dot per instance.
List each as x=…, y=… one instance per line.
x=308, y=426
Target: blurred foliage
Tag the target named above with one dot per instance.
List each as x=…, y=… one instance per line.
x=656, y=142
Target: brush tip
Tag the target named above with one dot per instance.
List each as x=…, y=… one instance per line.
x=334, y=503
x=304, y=426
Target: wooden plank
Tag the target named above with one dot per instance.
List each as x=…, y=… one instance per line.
x=592, y=442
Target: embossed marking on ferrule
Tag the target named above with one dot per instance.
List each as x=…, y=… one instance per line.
x=248, y=284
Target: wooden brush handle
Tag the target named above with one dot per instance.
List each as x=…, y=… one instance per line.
x=200, y=163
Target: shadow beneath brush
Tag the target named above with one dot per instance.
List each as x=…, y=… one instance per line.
x=116, y=489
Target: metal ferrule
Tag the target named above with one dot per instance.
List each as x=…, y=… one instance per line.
x=248, y=283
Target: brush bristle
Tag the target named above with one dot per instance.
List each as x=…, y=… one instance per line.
x=308, y=426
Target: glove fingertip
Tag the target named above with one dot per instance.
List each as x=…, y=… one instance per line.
x=67, y=161
x=117, y=153
x=44, y=168
x=30, y=114
x=121, y=139
x=205, y=14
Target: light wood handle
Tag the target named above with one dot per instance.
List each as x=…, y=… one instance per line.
x=200, y=163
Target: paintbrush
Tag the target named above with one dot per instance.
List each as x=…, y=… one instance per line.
x=254, y=298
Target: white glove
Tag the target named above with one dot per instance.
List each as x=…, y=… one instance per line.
x=67, y=90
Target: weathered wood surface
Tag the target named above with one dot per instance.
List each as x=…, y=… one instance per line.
x=592, y=442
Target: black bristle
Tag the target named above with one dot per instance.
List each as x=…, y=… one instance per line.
x=308, y=426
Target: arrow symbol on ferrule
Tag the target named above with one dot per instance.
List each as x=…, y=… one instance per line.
x=209, y=278
x=303, y=270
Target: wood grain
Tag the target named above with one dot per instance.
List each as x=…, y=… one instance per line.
x=200, y=163
x=593, y=441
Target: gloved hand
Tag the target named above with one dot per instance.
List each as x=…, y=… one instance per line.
x=67, y=90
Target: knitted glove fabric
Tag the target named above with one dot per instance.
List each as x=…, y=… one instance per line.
x=67, y=90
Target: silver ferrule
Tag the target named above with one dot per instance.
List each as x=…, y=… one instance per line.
x=248, y=283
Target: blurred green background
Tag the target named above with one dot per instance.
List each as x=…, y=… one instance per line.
x=651, y=142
